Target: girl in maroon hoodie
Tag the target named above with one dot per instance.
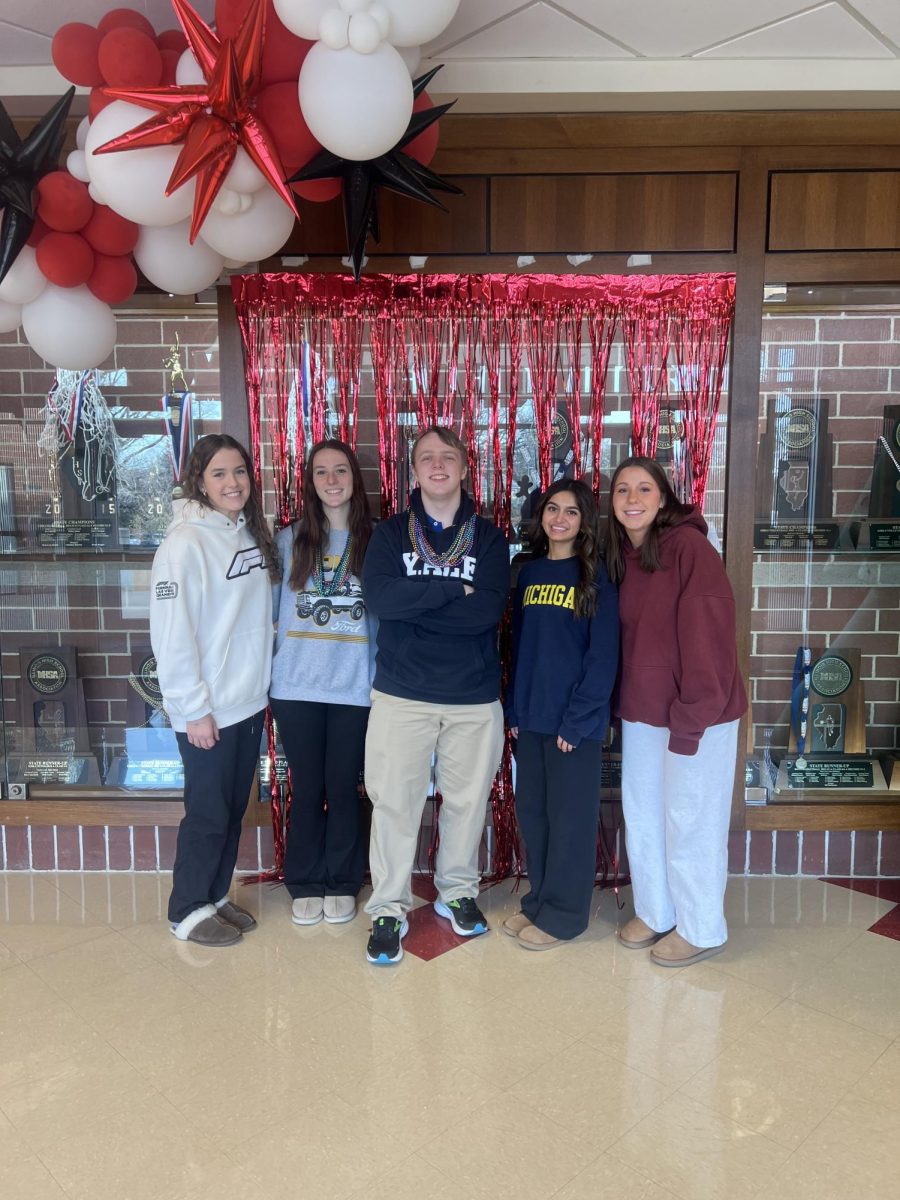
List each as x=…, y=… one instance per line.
x=680, y=700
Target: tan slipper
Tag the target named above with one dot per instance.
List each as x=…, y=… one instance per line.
x=515, y=924
x=637, y=935
x=674, y=951
x=532, y=938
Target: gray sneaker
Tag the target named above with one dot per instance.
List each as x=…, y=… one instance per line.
x=307, y=910
x=339, y=909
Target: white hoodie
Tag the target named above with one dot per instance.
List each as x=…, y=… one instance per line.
x=210, y=618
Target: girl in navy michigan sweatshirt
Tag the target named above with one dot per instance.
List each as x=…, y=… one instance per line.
x=565, y=656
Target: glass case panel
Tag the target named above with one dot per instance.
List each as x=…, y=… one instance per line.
x=826, y=572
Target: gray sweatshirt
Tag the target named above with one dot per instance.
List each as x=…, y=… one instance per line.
x=325, y=645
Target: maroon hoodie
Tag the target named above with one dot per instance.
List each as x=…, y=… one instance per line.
x=679, y=659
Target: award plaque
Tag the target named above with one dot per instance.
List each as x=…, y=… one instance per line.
x=52, y=724
x=151, y=761
x=827, y=749
x=882, y=529
x=70, y=522
x=794, y=496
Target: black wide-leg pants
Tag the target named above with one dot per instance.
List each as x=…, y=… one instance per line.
x=325, y=747
x=217, y=786
x=558, y=810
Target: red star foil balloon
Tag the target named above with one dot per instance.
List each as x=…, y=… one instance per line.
x=211, y=120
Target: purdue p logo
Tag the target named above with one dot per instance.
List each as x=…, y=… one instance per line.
x=244, y=562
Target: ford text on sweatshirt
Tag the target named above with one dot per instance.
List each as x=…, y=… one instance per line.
x=210, y=619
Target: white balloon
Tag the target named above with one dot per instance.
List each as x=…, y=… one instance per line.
x=188, y=70
x=24, y=281
x=245, y=201
x=414, y=22
x=364, y=33
x=251, y=235
x=334, y=29
x=380, y=14
x=244, y=175
x=412, y=56
x=133, y=182
x=94, y=192
x=302, y=16
x=70, y=328
x=354, y=6
x=77, y=166
x=82, y=131
x=167, y=258
x=227, y=201
x=10, y=316
x=356, y=105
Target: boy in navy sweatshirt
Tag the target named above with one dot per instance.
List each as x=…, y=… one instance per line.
x=437, y=578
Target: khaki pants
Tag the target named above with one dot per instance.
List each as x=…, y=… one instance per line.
x=401, y=739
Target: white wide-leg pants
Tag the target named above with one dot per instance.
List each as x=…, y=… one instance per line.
x=677, y=809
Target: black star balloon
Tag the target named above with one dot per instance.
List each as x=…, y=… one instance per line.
x=23, y=161
x=395, y=170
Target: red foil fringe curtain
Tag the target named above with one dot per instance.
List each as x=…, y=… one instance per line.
x=451, y=349
x=701, y=356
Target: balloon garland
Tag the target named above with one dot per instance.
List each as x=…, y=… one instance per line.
x=280, y=99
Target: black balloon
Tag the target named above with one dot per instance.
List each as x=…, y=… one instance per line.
x=394, y=170
x=22, y=163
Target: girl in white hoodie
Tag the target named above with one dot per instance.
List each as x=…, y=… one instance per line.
x=211, y=631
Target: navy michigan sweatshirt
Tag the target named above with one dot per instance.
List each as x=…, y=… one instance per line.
x=564, y=667
x=436, y=643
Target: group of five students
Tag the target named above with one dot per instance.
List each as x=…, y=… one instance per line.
x=386, y=660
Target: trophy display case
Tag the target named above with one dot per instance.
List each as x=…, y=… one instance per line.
x=89, y=463
x=825, y=619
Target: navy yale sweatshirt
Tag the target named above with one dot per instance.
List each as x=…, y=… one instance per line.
x=564, y=667
x=435, y=643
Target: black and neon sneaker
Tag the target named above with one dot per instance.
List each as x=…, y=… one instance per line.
x=385, y=944
x=464, y=915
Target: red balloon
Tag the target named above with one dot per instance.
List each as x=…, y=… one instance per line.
x=113, y=279
x=424, y=147
x=65, y=259
x=318, y=190
x=172, y=39
x=108, y=233
x=283, y=51
x=229, y=14
x=129, y=58
x=63, y=202
x=124, y=18
x=278, y=107
x=38, y=230
x=97, y=102
x=74, y=52
x=170, y=60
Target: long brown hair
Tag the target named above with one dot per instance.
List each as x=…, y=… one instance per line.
x=311, y=534
x=204, y=451
x=670, y=513
x=587, y=540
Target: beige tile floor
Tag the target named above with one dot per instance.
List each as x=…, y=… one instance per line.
x=133, y=1066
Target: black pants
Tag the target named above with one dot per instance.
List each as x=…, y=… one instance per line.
x=558, y=809
x=217, y=786
x=325, y=746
